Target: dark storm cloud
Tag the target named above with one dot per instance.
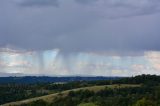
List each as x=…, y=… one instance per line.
x=104, y=25
x=116, y=9
x=31, y=3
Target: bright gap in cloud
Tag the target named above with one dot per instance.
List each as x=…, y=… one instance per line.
x=52, y=63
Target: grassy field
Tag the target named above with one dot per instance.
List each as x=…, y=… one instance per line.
x=51, y=97
x=87, y=104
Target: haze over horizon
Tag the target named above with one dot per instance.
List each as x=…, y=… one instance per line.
x=80, y=37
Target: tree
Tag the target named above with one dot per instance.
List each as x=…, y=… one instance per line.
x=144, y=102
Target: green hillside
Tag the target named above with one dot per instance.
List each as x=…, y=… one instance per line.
x=51, y=97
x=141, y=90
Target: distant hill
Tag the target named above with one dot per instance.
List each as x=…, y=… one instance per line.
x=45, y=79
x=3, y=74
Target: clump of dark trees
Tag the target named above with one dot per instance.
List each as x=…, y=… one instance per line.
x=146, y=95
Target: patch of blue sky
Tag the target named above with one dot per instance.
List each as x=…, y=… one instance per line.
x=49, y=57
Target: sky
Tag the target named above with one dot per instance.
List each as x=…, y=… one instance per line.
x=79, y=37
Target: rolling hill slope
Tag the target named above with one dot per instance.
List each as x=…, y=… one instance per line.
x=51, y=97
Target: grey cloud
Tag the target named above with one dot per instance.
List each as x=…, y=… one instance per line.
x=128, y=25
x=38, y=3
x=85, y=1
x=115, y=9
